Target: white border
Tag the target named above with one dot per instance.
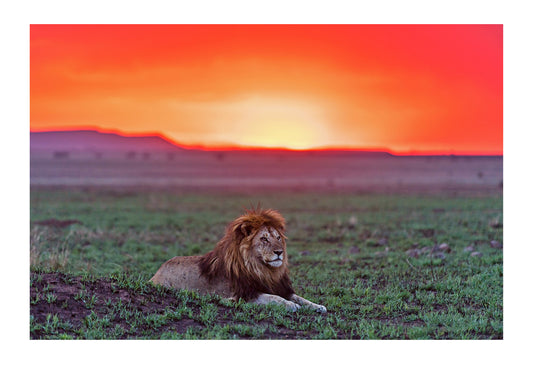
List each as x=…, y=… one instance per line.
x=267, y=357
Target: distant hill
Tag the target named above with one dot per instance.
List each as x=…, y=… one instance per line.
x=97, y=141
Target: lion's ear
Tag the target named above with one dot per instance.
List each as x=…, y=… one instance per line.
x=245, y=229
x=241, y=229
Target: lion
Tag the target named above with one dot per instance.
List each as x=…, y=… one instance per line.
x=249, y=262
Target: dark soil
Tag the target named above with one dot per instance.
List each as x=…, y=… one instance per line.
x=99, y=295
x=69, y=307
x=57, y=223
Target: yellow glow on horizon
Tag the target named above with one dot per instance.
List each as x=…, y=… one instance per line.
x=278, y=123
x=281, y=134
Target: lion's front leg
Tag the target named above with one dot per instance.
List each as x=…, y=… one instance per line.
x=303, y=302
x=265, y=298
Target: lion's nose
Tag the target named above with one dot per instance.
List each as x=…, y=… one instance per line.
x=278, y=252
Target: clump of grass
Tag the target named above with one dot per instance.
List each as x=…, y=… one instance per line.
x=51, y=328
x=45, y=253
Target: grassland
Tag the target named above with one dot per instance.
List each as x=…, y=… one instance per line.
x=386, y=266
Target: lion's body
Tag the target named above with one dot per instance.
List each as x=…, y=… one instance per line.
x=185, y=273
x=249, y=262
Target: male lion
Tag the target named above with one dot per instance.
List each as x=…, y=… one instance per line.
x=249, y=262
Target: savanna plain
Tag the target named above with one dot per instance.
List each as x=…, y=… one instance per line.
x=386, y=265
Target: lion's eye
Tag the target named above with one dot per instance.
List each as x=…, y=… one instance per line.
x=264, y=239
x=279, y=238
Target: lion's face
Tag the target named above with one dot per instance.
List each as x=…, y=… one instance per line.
x=268, y=245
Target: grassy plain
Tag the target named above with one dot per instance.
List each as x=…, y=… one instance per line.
x=377, y=262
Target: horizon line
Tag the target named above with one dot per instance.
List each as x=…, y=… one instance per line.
x=237, y=147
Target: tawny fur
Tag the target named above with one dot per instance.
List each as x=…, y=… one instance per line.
x=249, y=262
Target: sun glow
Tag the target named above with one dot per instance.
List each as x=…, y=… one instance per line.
x=279, y=123
x=279, y=133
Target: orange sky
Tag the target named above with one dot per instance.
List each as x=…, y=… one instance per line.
x=405, y=88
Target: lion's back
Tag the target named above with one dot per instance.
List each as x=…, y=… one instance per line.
x=183, y=272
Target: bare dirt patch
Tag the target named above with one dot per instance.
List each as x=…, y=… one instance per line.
x=57, y=223
x=74, y=301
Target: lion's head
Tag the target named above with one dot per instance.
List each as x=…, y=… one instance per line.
x=252, y=255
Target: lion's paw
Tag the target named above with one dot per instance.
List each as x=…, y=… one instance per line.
x=320, y=308
x=292, y=306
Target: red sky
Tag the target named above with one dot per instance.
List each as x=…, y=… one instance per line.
x=405, y=88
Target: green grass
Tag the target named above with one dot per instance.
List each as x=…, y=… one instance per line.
x=347, y=252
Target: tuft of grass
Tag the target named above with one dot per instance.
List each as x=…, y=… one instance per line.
x=46, y=251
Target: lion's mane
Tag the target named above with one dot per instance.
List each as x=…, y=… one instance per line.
x=232, y=258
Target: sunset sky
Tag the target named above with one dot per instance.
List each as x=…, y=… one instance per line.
x=403, y=88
